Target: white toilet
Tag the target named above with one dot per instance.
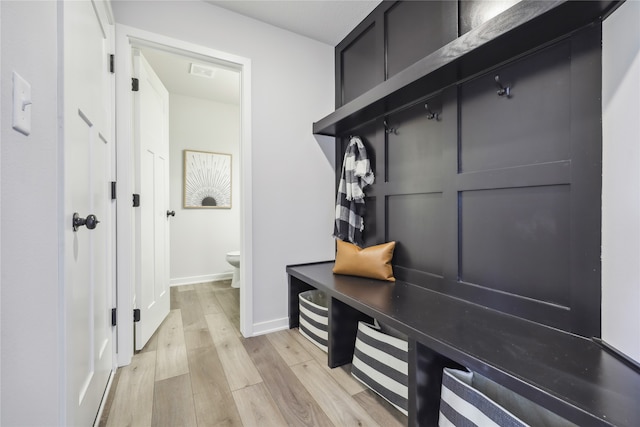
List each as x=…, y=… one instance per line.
x=233, y=258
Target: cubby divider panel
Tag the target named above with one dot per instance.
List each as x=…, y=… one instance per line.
x=343, y=328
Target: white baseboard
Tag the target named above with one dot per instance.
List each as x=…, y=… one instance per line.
x=270, y=326
x=179, y=281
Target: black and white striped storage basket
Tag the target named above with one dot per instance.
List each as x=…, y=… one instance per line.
x=314, y=317
x=469, y=399
x=380, y=361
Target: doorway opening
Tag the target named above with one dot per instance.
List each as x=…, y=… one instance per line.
x=209, y=114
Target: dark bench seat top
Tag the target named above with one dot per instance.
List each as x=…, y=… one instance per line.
x=568, y=374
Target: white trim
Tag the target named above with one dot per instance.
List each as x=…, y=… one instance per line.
x=114, y=203
x=246, y=207
x=62, y=318
x=125, y=36
x=124, y=188
x=1, y=124
x=180, y=281
x=105, y=397
x=270, y=326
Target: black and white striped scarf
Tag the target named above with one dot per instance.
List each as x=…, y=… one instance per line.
x=356, y=175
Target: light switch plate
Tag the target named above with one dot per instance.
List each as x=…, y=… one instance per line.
x=21, y=104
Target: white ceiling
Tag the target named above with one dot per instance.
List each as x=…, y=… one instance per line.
x=173, y=71
x=327, y=21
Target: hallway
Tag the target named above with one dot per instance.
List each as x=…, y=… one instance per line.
x=197, y=370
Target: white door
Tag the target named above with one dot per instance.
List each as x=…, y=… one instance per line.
x=151, y=138
x=87, y=252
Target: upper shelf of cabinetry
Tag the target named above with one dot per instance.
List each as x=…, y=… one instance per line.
x=528, y=25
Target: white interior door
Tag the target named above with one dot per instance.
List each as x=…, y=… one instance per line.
x=88, y=250
x=151, y=138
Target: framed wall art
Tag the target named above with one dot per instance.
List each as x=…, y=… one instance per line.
x=207, y=180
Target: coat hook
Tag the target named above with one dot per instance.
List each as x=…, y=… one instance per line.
x=388, y=130
x=430, y=114
x=502, y=90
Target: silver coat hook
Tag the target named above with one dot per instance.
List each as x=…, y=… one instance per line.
x=430, y=114
x=502, y=90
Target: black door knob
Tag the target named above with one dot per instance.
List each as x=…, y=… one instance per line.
x=90, y=221
x=171, y=213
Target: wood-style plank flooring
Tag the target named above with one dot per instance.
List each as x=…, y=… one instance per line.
x=198, y=370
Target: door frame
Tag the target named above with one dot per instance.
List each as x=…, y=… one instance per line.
x=126, y=37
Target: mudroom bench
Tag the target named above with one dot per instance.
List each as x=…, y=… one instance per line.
x=570, y=375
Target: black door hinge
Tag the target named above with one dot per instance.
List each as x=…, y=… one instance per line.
x=113, y=190
x=136, y=200
x=136, y=314
x=113, y=317
x=135, y=84
x=112, y=66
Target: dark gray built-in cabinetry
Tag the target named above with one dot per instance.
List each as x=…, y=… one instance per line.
x=491, y=198
x=485, y=136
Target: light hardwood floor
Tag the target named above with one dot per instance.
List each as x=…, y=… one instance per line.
x=198, y=370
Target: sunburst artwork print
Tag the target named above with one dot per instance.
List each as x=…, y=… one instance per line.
x=207, y=180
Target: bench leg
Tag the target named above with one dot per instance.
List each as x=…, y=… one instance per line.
x=343, y=327
x=296, y=286
x=425, y=383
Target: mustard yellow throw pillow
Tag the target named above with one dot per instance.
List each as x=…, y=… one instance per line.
x=373, y=262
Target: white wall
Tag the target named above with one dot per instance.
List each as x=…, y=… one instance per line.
x=1, y=124
x=292, y=86
x=621, y=180
x=31, y=311
x=200, y=238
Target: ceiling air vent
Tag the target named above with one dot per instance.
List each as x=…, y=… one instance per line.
x=202, y=71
